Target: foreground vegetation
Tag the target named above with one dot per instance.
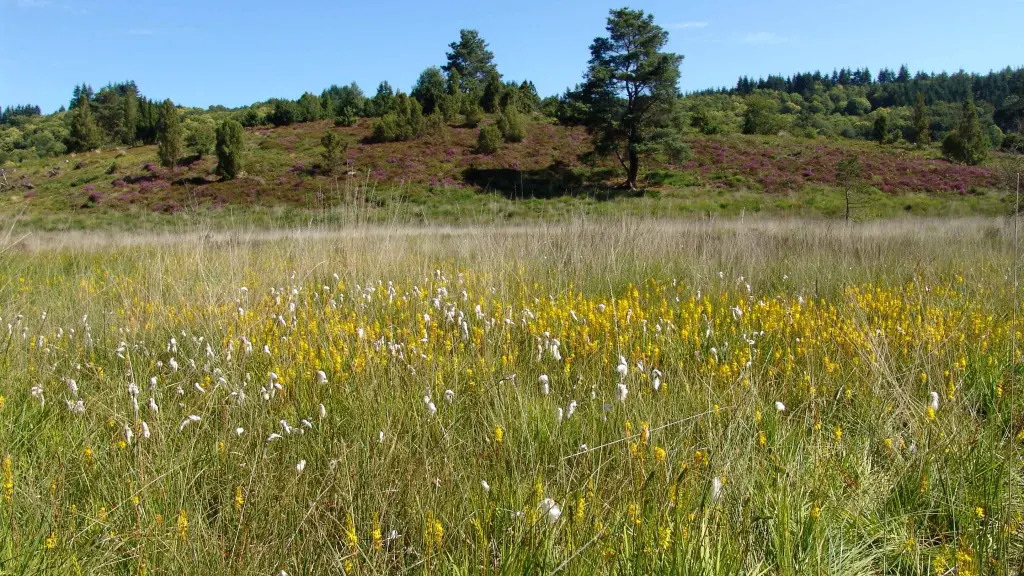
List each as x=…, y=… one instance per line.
x=622, y=396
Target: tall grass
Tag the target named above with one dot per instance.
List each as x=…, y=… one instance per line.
x=678, y=461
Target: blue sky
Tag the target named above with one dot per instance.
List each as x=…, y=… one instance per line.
x=235, y=52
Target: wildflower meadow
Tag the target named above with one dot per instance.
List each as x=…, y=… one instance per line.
x=626, y=396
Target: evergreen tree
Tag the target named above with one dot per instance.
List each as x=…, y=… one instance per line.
x=511, y=125
x=383, y=101
x=920, y=119
x=631, y=90
x=880, y=130
x=169, y=134
x=334, y=147
x=309, y=109
x=493, y=90
x=967, y=143
x=84, y=132
x=230, y=149
x=429, y=89
x=130, y=103
x=472, y=60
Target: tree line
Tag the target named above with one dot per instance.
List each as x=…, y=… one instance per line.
x=629, y=101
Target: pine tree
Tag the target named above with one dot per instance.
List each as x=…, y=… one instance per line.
x=84, y=133
x=921, y=134
x=230, y=149
x=170, y=135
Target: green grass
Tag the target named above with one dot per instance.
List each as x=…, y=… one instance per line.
x=851, y=327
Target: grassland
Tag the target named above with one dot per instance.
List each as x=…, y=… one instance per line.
x=625, y=395
x=442, y=180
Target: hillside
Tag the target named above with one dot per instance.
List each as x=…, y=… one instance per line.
x=444, y=179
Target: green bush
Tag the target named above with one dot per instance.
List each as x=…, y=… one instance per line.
x=1013, y=142
x=473, y=114
x=511, y=125
x=489, y=140
x=435, y=127
x=200, y=136
x=230, y=149
x=347, y=117
x=334, y=147
x=404, y=123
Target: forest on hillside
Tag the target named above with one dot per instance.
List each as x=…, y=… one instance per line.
x=890, y=107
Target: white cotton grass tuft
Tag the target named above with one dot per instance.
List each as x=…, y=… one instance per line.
x=152, y=406
x=621, y=392
x=274, y=436
x=933, y=402
x=571, y=410
x=545, y=384
x=128, y=434
x=323, y=412
x=559, y=414
x=192, y=418
x=779, y=406
x=485, y=486
x=37, y=393
x=76, y=407
x=145, y=429
x=300, y=466
x=622, y=369
x=716, y=488
x=449, y=396
x=550, y=510
x=239, y=431
x=321, y=377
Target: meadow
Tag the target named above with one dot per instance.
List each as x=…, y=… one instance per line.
x=614, y=396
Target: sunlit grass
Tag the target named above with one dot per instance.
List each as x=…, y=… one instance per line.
x=627, y=396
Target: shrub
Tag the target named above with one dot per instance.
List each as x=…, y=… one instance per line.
x=435, y=127
x=473, y=114
x=387, y=128
x=169, y=134
x=966, y=144
x=285, y=113
x=347, y=117
x=1013, y=142
x=404, y=123
x=230, y=149
x=200, y=137
x=489, y=140
x=511, y=125
x=334, y=147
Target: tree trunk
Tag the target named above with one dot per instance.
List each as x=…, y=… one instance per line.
x=634, y=169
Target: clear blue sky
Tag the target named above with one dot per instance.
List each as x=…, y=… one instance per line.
x=235, y=52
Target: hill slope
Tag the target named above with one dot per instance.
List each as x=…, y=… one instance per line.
x=444, y=179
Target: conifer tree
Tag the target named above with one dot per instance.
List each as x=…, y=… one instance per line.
x=170, y=136
x=84, y=132
x=230, y=149
x=921, y=135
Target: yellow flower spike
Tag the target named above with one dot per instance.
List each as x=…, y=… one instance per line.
x=182, y=525
x=239, y=499
x=51, y=541
x=815, y=512
x=979, y=512
x=659, y=455
x=351, y=538
x=499, y=434
x=762, y=439
x=838, y=434
x=376, y=536
x=888, y=443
